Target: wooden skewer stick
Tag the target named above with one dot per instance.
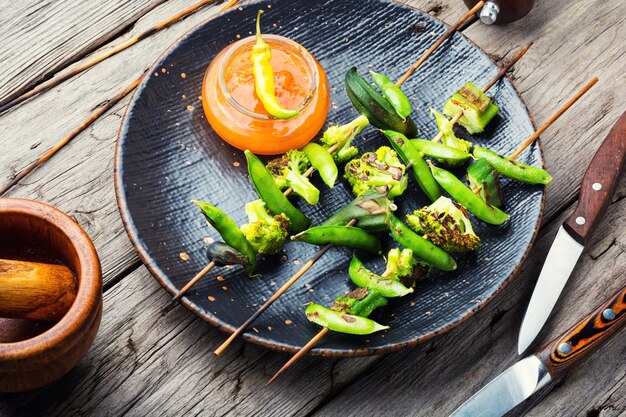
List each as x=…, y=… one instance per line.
x=490, y=84
x=53, y=82
x=288, y=191
x=439, y=41
x=59, y=145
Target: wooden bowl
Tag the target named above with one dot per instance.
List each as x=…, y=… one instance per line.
x=29, y=358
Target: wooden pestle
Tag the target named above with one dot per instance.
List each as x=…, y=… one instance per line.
x=35, y=291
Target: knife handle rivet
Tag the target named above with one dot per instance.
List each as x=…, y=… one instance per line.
x=580, y=220
x=596, y=186
x=565, y=348
x=608, y=314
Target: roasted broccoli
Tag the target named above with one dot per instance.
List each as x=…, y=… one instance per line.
x=446, y=225
x=445, y=126
x=265, y=233
x=401, y=265
x=374, y=169
x=343, y=136
x=287, y=172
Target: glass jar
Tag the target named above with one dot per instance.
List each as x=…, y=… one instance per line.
x=236, y=113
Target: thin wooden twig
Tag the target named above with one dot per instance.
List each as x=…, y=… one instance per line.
x=193, y=280
x=59, y=145
x=53, y=82
x=490, y=84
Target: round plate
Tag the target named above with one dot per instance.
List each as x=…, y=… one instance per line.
x=168, y=155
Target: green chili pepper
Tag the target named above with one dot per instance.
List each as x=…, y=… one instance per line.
x=349, y=236
x=421, y=247
x=360, y=302
x=512, y=169
x=393, y=94
x=321, y=160
x=362, y=277
x=274, y=199
x=228, y=229
x=447, y=154
x=341, y=322
x=481, y=176
x=466, y=197
x=371, y=209
x=261, y=57
x=410, y=155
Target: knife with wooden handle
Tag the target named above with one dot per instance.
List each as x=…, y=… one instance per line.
x=532, y=373
x=596, y=191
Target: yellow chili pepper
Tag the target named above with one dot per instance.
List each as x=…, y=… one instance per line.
x=264, y=76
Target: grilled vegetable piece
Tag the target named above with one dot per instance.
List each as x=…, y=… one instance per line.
x=363, y=277
x=341, y=322
x=402, y=266
x=443, y=153
x=287, y=171
x=371, y=104
x=360, y=302
x=446, y=225
x=321, y=160
x=394, y=95
x=482, y=177
x=343, y=136
x=375, y=169
x=512, y=169
x=223, y=254
x=372, y=210
x=348, y=236
x=265, y=233
x=477, y=108
x=449, y=138
x=228, y=229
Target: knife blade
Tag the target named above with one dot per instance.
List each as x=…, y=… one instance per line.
x=596, y=191
x=530, y=374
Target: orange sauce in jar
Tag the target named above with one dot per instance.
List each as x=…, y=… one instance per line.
x=235, y=112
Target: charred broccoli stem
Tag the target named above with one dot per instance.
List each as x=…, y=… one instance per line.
x=375, y=169
x=287, y=171
x=265, y=233
x=402, y=266
x=343, y=136
x=446, y=225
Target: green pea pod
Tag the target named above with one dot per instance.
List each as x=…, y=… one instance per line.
x=393, y=94
x=512, y=169
x=362, y=277
x=341, y=322
x=466, y=197
x=348, y=236
x=421, y=247
x=371, y=209
x=274, y=199
x=448, y=154
x=410, y=155
x=321, y=160
x=360, y=302
x=228, y=229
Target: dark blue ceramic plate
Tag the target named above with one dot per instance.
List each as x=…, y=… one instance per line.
x=168, y=155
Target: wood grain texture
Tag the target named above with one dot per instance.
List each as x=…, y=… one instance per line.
x=146, y=371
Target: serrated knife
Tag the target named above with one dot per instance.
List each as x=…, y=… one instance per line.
x=596, y=191
x=532, y=373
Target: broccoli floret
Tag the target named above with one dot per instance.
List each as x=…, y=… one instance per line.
x=287, y=172
x=446, y=225
x=374, y=169
x=343, y=135
x=445, y=126
x=265, y=233
x=402, y=266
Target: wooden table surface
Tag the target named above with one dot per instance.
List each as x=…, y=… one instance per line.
x=153, y=357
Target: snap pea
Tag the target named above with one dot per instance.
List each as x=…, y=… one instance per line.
x=360, y=302
x=363, y=277
x=371, y=209
x=410, y=155
x=228, y=229
x=512, y=169
x=466, y=197
x=348, y=236
x=323, y=162
x=448, y=154
x=393, y=94
x=274, y=199
x=421, y=247
x=341, y=322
